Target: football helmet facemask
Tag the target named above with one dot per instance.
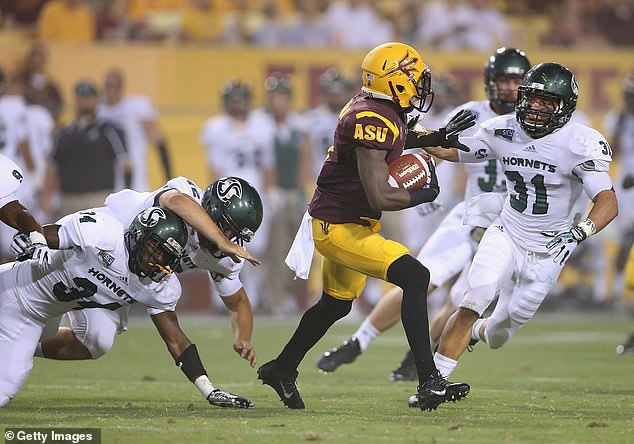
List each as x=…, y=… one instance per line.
x=236, y=91
x=546, y=82
x=508, y=63
x=155, y=241
x=395, y=71
x=235, y=206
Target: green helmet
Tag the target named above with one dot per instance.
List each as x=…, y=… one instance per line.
x=550, y=81
x=235, y=206
x=505, y=62
x=155, y=241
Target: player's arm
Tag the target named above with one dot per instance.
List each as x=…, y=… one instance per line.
x=241, y=314
x=186, y=356
x=196, y=217
x=597, y=184
x=374, y=172
x=17, y=216
x=156, y=135
x=477, y=150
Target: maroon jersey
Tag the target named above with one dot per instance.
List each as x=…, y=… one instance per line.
x=366, y=122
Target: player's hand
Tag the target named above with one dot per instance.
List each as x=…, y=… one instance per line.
x=235, y=252
x=220, y=398
x=246, y=351
x=561, y=246
x=432, y=183
x=24, y=249
x=628, y=182
x=461, y=121
x=427, y=208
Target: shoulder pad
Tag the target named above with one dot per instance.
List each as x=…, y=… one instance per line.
x=588, y=143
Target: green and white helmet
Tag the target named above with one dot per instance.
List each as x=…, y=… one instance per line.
x=504, y=62
x=155, y=241
x=235, y=206
x=547, y=81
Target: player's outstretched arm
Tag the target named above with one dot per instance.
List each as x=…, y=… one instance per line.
x=241, y=314
x=196, y=217
x=188, y=360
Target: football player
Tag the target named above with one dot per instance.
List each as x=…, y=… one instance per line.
x=16, y=216
x=229, y=208
x=240, y=143
x=99, y=264
x=15, y=146
x=553, y=168
x=352, y=191
x=449, y=251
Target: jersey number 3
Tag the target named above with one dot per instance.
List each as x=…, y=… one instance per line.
x=519, y=202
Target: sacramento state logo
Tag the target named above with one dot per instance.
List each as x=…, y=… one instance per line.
x=151, y=216
x=228, y=188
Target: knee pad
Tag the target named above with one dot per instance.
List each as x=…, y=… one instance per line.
x=409, y=274
x=95, y=333
x=333, y=307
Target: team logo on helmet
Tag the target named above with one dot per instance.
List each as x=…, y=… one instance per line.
x=406, y=65
x=228, y=188
x=574, y=86
x=151, y=216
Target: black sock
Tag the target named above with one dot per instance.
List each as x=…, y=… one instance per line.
x=413, y=278
x=312, y=327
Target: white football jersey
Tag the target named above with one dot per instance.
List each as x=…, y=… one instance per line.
x=129, y=114
x=13, y=128
x=240, y=149
x=126, y=204
x=90, y=272
x=544, y=194
x=319, y=125
x=484, y=177
x=11, y=177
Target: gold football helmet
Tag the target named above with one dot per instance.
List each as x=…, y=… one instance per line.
x=395, y=71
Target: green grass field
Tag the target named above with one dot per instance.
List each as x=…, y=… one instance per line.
x=558, y=381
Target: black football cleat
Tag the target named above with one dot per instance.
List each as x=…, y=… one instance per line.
x=285, y=386
x=437, y=390
x=221, y=398
x=344, y=354
x=406, y=370
x=627, y=347
x=472, y=343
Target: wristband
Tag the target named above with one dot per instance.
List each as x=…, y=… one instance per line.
x=422, y=195
x=583, y=230
x=37, y=238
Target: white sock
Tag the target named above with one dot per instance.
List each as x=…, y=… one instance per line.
x=365, y=334
x=204, y=385
x=38, y=350
x=444, y=364
x=475, y=330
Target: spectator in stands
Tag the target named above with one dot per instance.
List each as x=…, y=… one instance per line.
x=453, y=25
x=21, y=14
x=572, y=24
x=201, y=23
x=308, y=29
x=39, y=87
x=67, y=21
x=356, y=24
x=112, y=21
x=286, y=201
x=88, y=160
x=138, y=119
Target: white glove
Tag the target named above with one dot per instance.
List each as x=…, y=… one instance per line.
x=32, y=246
x=561, y=247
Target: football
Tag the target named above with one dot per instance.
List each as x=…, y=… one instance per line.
x=410, y=171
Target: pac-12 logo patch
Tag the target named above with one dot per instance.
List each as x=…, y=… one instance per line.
x=151, y=216
x=229, y=187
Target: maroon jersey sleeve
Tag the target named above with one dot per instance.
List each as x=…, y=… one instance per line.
x=363, y=123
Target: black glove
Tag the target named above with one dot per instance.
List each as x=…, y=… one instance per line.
x=446, y=137
x=628, y=182
x=432, y=183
